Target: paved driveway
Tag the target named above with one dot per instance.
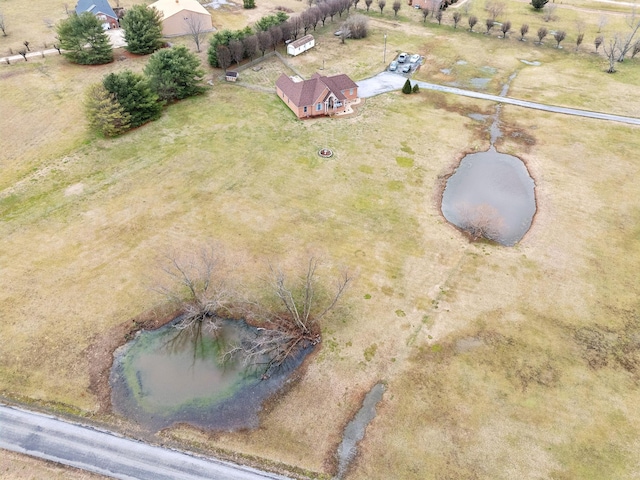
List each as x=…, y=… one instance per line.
x=388, y=82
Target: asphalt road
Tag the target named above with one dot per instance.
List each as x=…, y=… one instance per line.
x=109, y=454
x=389, y=81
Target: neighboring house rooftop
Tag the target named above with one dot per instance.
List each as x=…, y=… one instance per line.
x=308, y=91
x=95, y=7
x=171, y=7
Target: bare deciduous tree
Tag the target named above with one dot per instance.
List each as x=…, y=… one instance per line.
x=472, y=22
x=598, y=41
x=636, y=49
x=490, y=24
x=250, y=44
x=276, y=35
x=439, y=17
x=612, y=51
x=368, y=3
x=425, y=14
x=626, y=41
x=579, y=40
x=396, y=7
x=26, y=44
x=289, y=323
x=495, y=9
x=602, y=22
x=224, y=56
x=549, y=12
x=559, y=35
x=265, y=41
x=381, y=5
x=3, y=24
x=196, y=28
x=23, y=52
x=542, y=32
x=457, y=16
x=506, y=26
x=196, y=285
x=524, y=29
x=236, y=48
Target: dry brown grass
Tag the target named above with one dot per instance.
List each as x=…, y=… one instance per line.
x=14, y=466
x=84, y=220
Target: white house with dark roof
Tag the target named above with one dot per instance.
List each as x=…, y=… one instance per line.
x=301, y=45
x=317, y=96
x=101, y=9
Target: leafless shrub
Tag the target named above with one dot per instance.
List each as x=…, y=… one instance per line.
x=579, y=40
x=481, y=221
x=524, y=29
x=3, y=24
x=559, y=35
x=23, y=52
x=381, y=5
x=357, y=26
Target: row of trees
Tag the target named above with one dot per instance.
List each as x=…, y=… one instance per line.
x=616, y=49
x=126, y=100
x=227, y=46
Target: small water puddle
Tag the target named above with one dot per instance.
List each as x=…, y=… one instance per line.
x=354, y=431
x=167, y=376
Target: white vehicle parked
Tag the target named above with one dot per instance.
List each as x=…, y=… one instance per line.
x=414, y=58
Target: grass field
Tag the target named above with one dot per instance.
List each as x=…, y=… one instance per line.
x=500, y=362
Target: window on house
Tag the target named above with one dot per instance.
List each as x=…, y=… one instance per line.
x=319, y=107
x=351, y=92
x=305, y=110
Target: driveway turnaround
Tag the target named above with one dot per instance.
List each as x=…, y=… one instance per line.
x=388, y=82
x=109, y=454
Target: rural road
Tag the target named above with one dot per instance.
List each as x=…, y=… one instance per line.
x=388, y=81
x=109, y=454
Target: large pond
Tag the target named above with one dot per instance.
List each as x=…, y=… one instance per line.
x=166, y=376
x=491, y=195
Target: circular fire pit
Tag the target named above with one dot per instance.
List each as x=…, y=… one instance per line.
x=325, y=153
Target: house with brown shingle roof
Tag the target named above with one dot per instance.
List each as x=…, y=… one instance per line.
x=317, y=96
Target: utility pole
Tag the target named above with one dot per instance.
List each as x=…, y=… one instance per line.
x=384, y=57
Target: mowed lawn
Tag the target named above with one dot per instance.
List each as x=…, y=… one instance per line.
x=500, y=362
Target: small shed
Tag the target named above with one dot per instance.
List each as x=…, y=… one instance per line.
x=301, y=45
x=231, y=76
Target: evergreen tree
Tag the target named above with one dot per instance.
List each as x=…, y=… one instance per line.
x=407, y=87
x=134, y=93
x=84, y=40
x=142, y=29
x=174, y=73
x=249, y=3
x=104, y=112
x=415, y=88
x=538, y=4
